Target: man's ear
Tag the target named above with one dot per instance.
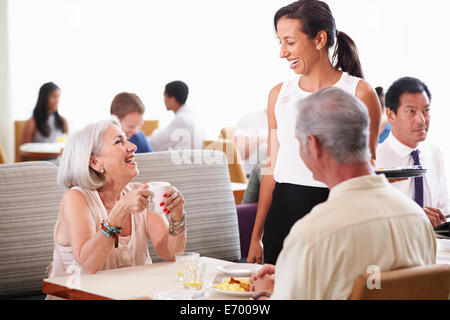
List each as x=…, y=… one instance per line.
x=314, y=147
x=390, y=115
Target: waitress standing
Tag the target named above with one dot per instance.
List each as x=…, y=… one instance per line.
x=306, y=30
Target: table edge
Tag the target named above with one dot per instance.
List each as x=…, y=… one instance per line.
x=69, y=294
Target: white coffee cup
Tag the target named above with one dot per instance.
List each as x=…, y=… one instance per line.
x=158, y=189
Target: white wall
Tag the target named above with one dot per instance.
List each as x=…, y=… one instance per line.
x=225, y=50
x=95, y=49
x=6, y=126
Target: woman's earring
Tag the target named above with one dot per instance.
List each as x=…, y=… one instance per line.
x=102, y=171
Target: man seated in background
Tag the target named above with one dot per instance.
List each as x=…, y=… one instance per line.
x=408, y=110
x=249, y=136
x=364, y=223
x=184, y=132
x=129, y=109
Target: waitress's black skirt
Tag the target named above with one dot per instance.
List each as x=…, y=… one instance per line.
x=290, y=203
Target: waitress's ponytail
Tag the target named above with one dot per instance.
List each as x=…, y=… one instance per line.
x=345, y=56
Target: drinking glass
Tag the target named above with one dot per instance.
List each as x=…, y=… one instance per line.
x=191, y=257
x=193, y=274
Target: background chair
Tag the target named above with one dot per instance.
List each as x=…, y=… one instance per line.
x=246, y=214
x=149, y=126
x=2, y=155
x=227, y=133
x=19, y=126
x=419, y=283
x=235, y=168
x=29, y=202
x=212, y=225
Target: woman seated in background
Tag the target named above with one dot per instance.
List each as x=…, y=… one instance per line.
x=46, y=125
x=104, y=221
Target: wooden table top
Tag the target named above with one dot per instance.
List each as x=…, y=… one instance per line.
x=134, y=283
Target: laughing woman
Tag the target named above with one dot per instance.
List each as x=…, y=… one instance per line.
x=104, y=222
x=307, y=31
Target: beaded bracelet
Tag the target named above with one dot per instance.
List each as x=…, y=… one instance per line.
x=111, y=232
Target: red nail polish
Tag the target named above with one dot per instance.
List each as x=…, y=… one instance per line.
x=161, y=204
x=168, y=212
x=165, y=195
x=165, y=210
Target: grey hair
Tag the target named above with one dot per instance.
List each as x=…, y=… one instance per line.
x=74, y=168
x=340, y=121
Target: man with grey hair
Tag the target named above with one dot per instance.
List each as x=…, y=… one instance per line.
x=364, y=225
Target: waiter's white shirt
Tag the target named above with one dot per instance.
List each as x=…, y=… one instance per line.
x=365, y=222
x=393, y=153
x=184, y=132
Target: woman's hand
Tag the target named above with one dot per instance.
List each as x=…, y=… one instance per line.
x=135, y=201
x=255, y=252
x=174, y=203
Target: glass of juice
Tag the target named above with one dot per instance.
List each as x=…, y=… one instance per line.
x=191, y=257
x=193, y=275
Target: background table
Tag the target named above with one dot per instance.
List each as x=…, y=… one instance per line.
x=40, y=151
x=134, y=283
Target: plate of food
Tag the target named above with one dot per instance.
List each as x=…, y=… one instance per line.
x=240, y=269
x=234, y=287
x=402, y=173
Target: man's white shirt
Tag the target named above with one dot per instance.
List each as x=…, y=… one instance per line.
x=393, y=153
x=183, y=132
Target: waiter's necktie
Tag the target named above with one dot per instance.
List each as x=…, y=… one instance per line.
x=418, y=182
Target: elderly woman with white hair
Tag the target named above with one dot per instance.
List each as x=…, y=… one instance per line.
x=104, y=221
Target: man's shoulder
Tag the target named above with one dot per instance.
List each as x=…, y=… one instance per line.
x=335, y=216
x=384, y=147
x=311, y=227
x=140, y=140
x=432, y=149
x=386, y=155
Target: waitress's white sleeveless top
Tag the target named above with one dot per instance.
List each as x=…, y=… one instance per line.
x=289, y=167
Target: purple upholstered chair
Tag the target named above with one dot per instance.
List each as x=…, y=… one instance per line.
x=246, y=219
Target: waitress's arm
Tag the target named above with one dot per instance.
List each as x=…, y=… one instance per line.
x=367, y=94
x=255, y=252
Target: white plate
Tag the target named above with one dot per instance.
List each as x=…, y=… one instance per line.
x=240, y=269
x=235, y=293
x=178, y=294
